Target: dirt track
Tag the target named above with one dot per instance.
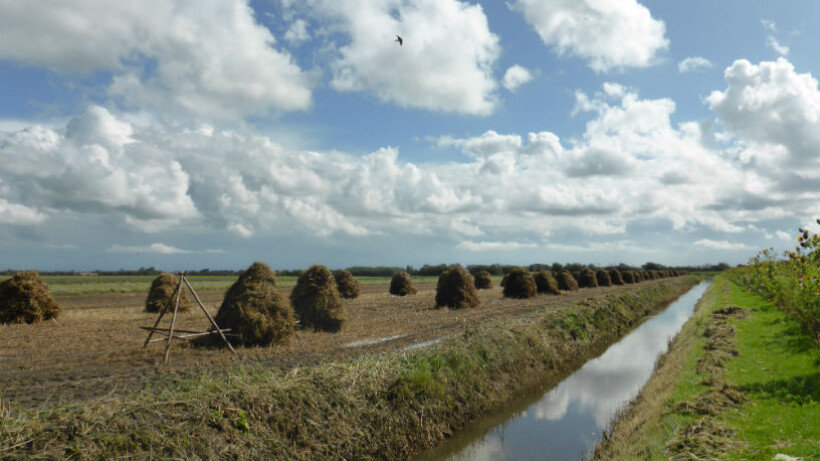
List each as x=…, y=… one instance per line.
x=94, y=350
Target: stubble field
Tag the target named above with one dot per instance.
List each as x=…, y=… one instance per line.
x=94, y=350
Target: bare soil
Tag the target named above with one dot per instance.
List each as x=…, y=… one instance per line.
x=94, y=350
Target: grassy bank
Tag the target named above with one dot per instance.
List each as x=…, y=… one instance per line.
x=741, y=382
x=377, y=407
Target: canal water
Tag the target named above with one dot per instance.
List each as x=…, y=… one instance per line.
x=566, y=421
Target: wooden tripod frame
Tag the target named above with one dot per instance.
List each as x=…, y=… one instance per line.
x=169, y=332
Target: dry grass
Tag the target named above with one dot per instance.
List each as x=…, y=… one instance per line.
x=379, y=406
x=95, y=348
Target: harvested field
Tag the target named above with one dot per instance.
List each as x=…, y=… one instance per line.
x=94, y=350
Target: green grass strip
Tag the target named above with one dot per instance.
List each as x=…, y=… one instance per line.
x=777, y=371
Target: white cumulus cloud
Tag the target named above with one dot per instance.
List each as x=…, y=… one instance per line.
x=772, y=43
x=630, y=164
x=608, y=34
x=721, y=245
x=515, y=77
x=774, y=112
x=95, y=166
x=157, y=248
x=495, y=246
x=445, y=64
x=207, y=58
x=694, y=64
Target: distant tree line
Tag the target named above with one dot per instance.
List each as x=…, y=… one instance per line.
x=425, y=270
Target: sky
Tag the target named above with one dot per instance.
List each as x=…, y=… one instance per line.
x=211, y=134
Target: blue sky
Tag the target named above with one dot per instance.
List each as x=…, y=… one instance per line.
x=181, y=135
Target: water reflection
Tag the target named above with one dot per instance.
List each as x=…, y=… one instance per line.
x=567, y=421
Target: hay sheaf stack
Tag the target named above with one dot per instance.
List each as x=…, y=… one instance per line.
x=347, y=285
x=520, y=284
x=255, y=310
x=483, y=280
x=586, y=279
x=604, y=280
x=616, y=277
x=456, y=289
x=316, y=300
x=402, y=284
x=25, y=298
x=566, y=281
x=162, y=294
x=546, y=283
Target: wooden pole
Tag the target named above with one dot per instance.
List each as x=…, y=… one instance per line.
x=207, y=314
x=174, y=318
x=161, y=313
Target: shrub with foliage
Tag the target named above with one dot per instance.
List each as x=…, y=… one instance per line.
x=520, y=284
x=792, y=283
x=456, y=289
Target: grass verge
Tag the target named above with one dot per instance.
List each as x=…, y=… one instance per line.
x=387, y=406
x=740, y=382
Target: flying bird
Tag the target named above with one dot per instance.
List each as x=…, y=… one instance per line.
x=400, y=40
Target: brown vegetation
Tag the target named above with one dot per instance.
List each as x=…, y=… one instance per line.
x=402, y=284
x=284, y=403
x=546, y=283
x=603, y=278
x=347, y=285
x=616, y=277
x=316, y=300
x=566, y=281
x=162, y=294
x=456, y=289
x=25, y=298
x=254, y=309
x=520, y=284
x=483, y=280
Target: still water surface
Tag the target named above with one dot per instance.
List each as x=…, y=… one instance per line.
x=565, y=422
